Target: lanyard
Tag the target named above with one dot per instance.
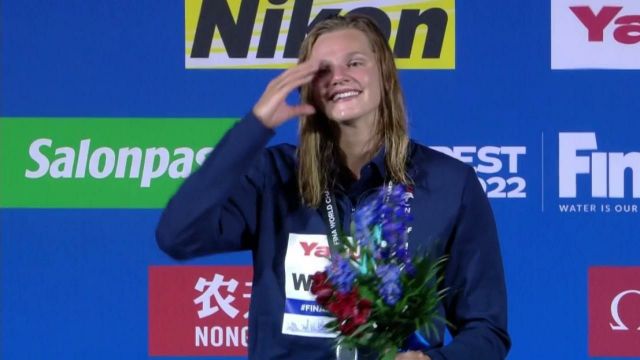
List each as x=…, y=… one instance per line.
x=331, y=220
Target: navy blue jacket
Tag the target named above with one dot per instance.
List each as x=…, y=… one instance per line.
x=245, y=197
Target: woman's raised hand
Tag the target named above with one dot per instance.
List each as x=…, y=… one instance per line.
x=272, y=108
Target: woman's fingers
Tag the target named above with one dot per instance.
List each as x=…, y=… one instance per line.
x=302, y=109
x=272, y=108
x=301, y=69
x=294, y=77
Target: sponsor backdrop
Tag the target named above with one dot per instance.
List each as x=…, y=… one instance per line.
x=106, y=106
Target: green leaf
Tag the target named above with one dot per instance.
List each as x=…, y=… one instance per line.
x=390, y=354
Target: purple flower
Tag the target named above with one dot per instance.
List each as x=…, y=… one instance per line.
x=363, y=219
x=389, y=287
x=395, y=221
x=402, y=254
x=381, y=226
x=392, y=231
x=409, y=269
x=341, y=273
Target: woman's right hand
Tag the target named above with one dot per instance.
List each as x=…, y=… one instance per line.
x=272, y=108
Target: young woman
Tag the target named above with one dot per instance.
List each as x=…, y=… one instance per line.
x=353, y=139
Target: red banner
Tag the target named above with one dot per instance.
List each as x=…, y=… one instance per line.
x=199, y=310
x=614, y=311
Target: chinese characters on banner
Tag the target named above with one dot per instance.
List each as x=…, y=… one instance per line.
x=199, y=310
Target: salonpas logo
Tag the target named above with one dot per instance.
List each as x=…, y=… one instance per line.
x=100, y=162
x=268, y=33
x=103, y=162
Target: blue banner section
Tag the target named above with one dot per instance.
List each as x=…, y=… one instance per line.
x=304, y=307
x=557, y=151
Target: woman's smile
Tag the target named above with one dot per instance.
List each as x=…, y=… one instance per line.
x=347, y=85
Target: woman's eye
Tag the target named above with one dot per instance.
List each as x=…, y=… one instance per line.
x=355, y=63
x=323, y=70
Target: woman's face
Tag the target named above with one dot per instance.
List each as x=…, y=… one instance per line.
x=347, y=86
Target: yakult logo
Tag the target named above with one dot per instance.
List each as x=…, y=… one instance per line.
x=614, y=311
x=314, y=249
x=497, y=167
x=199, y=310
x=605, y=172
x=595, y=34
x=626, y=29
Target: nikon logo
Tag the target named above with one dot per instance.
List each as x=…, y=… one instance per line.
x=268, y=33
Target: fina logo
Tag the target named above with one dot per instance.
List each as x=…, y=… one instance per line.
x=615, y=304
x=606, y=169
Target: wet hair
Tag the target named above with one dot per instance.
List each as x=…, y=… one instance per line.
x=319, y=151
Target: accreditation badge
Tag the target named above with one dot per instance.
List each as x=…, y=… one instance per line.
x=306, y=255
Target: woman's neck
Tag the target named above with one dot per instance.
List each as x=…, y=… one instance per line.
x=358, y=143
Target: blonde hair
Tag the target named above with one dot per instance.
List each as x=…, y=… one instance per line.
x=319, y=150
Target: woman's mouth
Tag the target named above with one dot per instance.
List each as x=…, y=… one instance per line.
x=343, y=95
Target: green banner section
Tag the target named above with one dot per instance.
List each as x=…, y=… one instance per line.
x=100, y=162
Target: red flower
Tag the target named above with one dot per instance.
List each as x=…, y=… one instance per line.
x=350, y=310
x=343, y=305
x=319, y=279
x=323, y=296
x=359, y=316
x=347, y=327
x=363, y=310
x=321, y=288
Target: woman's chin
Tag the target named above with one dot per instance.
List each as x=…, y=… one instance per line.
x=345, y=116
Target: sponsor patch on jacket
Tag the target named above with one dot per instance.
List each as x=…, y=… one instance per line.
x=306, y=254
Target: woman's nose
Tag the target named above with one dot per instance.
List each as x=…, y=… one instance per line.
x=339, y=75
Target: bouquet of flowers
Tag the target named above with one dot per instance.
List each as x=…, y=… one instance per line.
x=380, y=296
